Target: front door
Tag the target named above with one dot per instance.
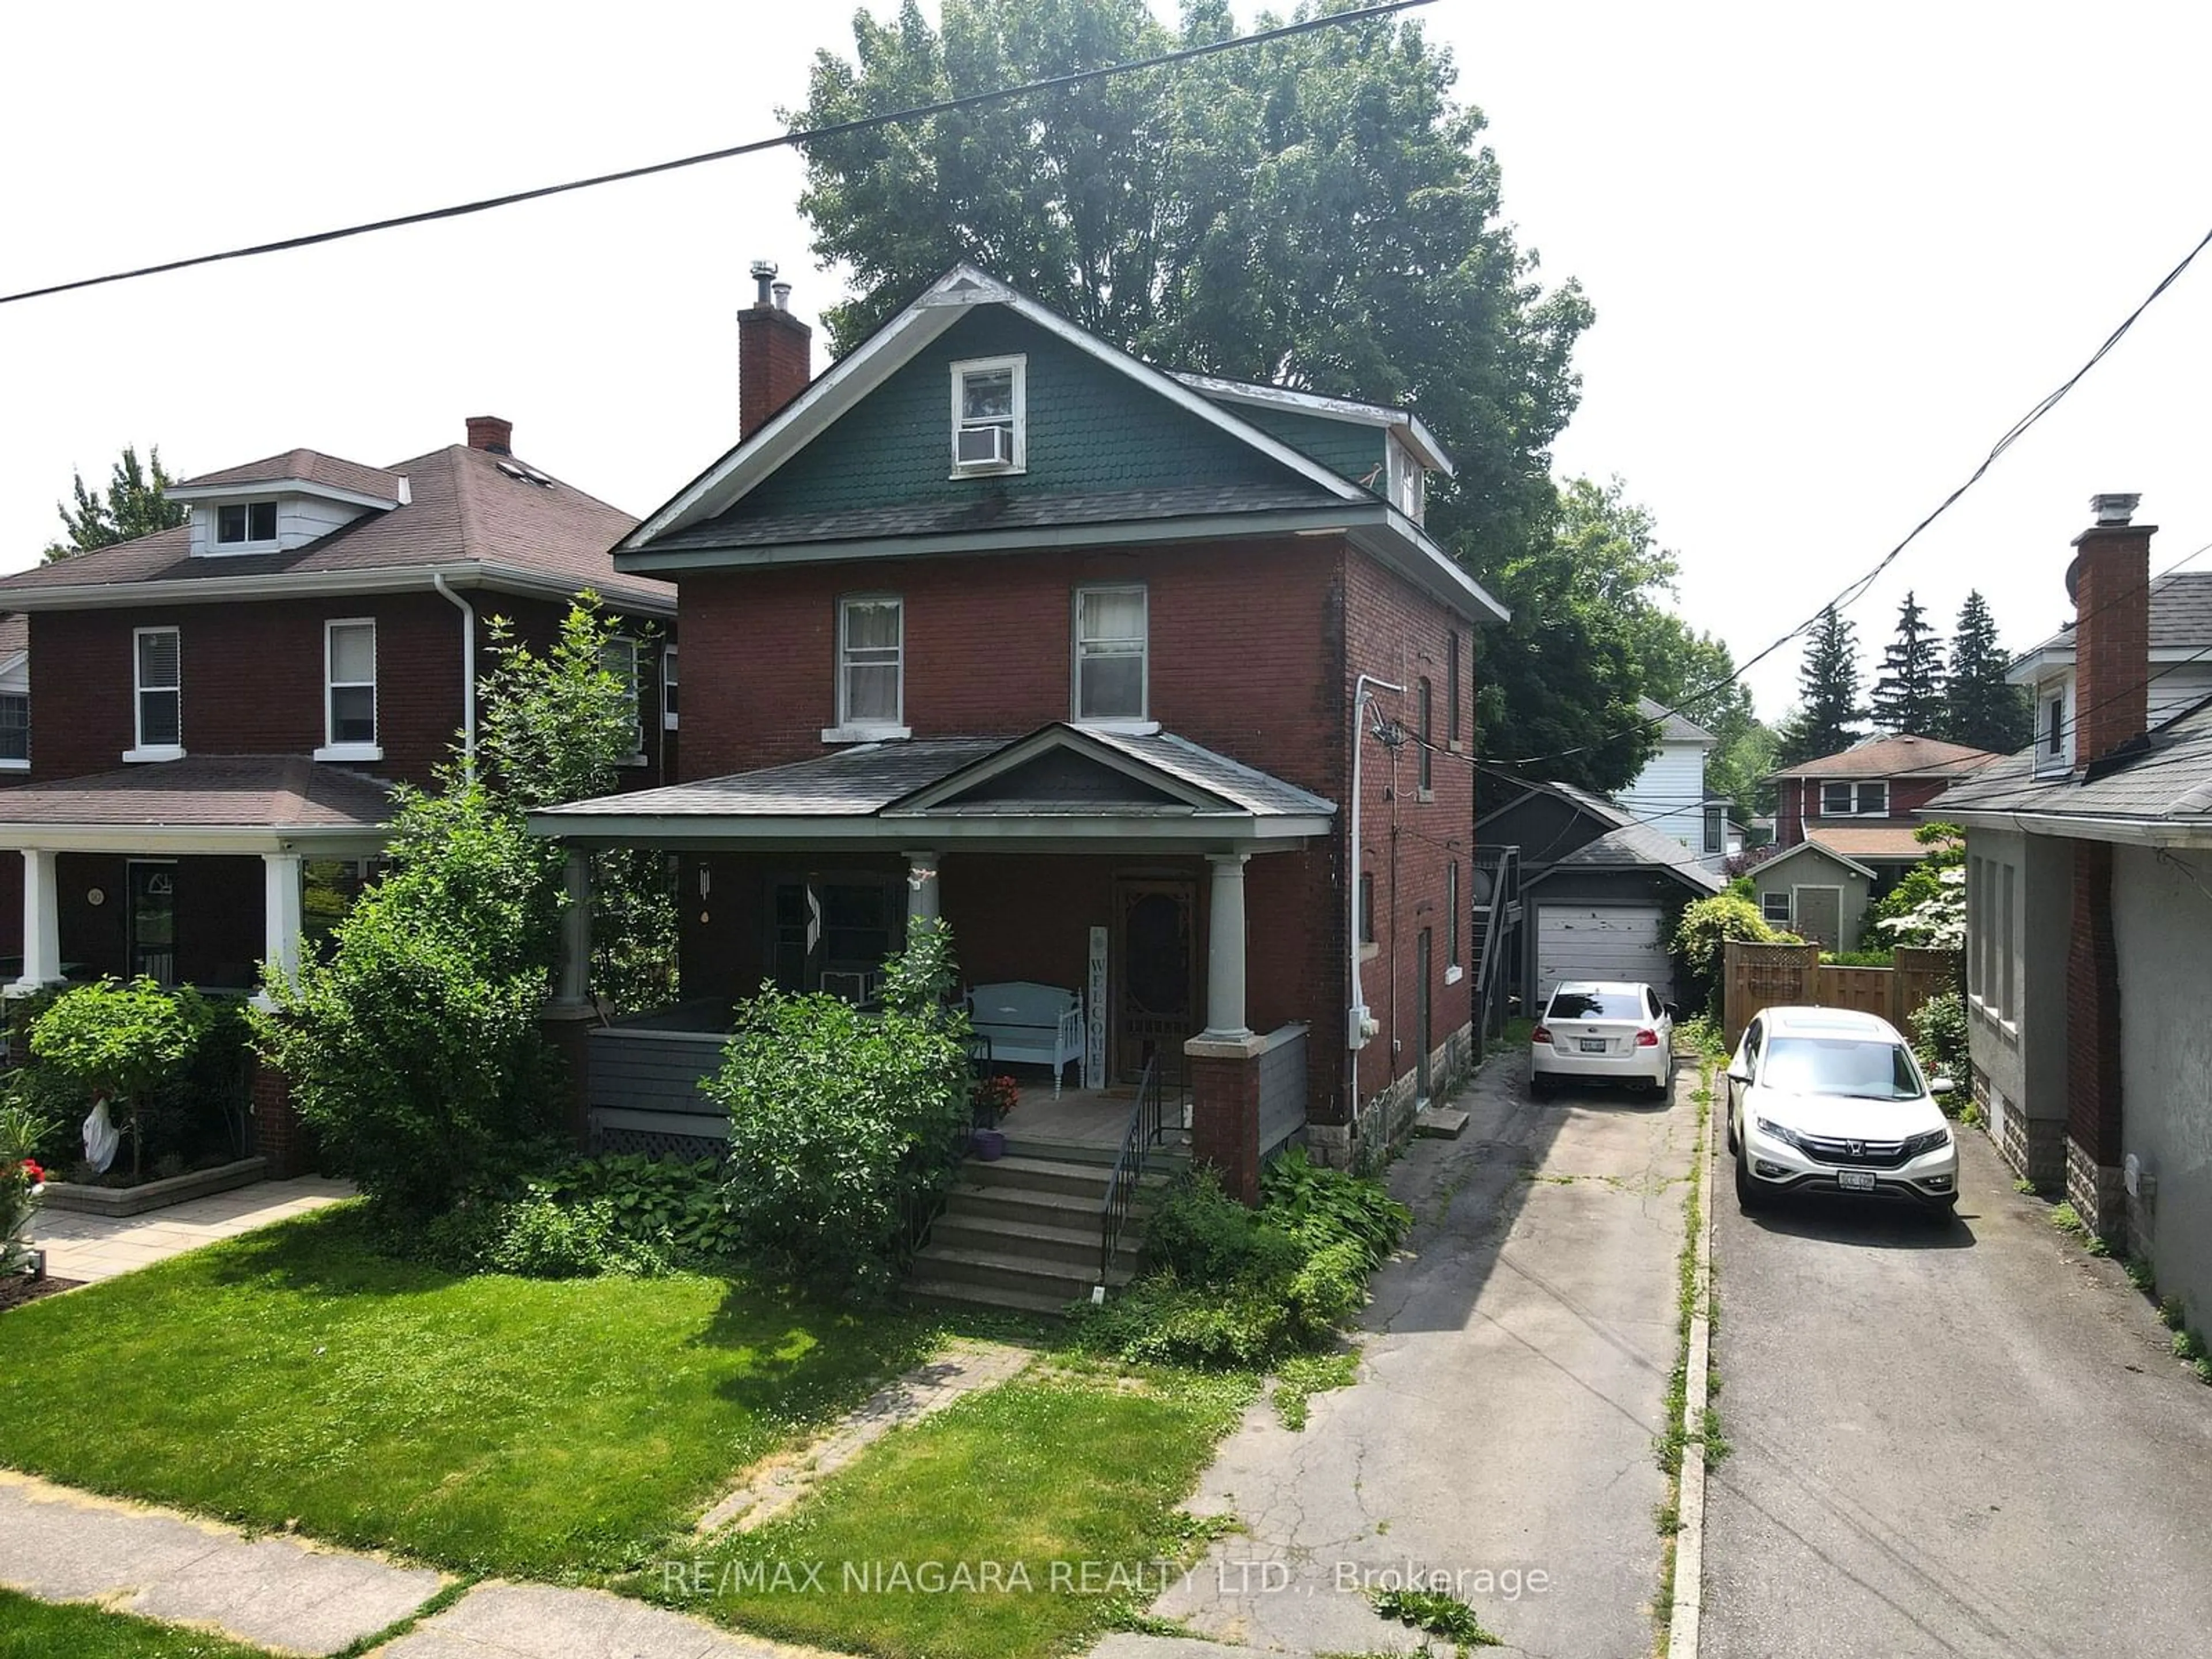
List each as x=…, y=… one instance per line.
x=153, y=917
x=1421, y=1014
x=1156, y=982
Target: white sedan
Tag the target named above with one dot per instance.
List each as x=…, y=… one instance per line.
x=1829, y=1100
x=1602, y=1031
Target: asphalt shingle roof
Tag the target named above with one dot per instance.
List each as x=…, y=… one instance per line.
x=2180, y=615
x=311, y=465
x=1635, y=845
x=1257, y=792
x=1893, y=754
x=1869, y=840
x=284, y=792
x=1035, y=511
x=464, y=507
x=2167, y=779
x=1673, y=727
x=15, y=633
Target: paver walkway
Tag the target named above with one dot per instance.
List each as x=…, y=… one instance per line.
x=89, y=1247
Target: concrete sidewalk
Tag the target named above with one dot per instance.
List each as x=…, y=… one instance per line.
x=1501, y=1432
x=96, y=1246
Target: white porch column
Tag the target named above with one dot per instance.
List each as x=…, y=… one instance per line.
x=1224, y=951
x=42, y=924
x=281, y=917
x=575, y=988
x=925, y=899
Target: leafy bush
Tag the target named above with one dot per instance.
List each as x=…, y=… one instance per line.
x=1881, y=958
x=122, y=1042
x=57, y=1101
x=540, y=1237
x=1321, y=1207
x=20, y=1182
x=1701, y=940
x=843, y=1128
x=414, y=1053
x=1705, y=1035
x=1928, y=907
x=1203, y=1237
x=680, y=1201
x=1939, y=1037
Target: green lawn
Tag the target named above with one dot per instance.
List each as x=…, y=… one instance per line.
x=552, y=1430
x=1074, y=1481
x=38, y=1630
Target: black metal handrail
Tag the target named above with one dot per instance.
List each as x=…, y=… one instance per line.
x=1145, y=1128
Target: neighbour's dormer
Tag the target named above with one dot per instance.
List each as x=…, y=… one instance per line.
x=284, y=503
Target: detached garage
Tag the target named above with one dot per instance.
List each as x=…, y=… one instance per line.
x=1600, y=889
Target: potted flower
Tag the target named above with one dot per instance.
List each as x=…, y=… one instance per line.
x=992, y=1097
x=22, y=1180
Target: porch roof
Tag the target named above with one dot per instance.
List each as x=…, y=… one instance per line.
x=200, y=803
x=1059, y=783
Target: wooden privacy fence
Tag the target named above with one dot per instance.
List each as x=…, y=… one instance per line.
x=1759, y=976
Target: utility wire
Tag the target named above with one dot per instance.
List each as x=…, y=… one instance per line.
x=943, y=106
x=1854, y=591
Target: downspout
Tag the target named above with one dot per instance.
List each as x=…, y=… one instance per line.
x=1359, y=1025
x=468, y=671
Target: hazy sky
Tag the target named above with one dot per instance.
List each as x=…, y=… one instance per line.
x=1835, y=253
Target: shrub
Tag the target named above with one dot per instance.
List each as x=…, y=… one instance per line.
x=843, y=1128
x=1321, y=1207
x=1928, y=907
x=539, y=1236
x=414, y=1053
x=680, y=1203
x=122, y=1042
x=1701, y=940
x=1203, y=1237
x=1939, y=1037
x=21, y=1180
x=1882, y=958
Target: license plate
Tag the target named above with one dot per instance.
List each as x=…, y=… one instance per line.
x=1855, y=1180
x=1595, y=1045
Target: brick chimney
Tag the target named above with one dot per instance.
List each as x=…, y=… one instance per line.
x=491, y=433
x=2109, y=582
x=775, y=357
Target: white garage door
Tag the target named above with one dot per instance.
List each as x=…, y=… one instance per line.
x=1601, y=941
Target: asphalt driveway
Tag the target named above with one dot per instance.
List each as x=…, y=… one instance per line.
x=1959, y=1438
x=1501, y=1432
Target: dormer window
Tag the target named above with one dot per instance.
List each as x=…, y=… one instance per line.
x=1409, y=482
x=989, y=409
x=243, y=524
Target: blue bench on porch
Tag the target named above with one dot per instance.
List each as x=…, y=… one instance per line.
x=1038, y=1024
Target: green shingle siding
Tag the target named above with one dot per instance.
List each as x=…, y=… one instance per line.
x=1090, y=429
x=1343, y=446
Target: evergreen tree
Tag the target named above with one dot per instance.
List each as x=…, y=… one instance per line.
x=1980, y=708
x=137, y=504
x=1828, y=713
x=1908, y=696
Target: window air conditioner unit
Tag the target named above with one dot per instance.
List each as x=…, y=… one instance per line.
x=986, y=446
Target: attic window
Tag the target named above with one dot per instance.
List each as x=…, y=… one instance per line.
x=1409, y=482
x=989, y=416
x=241, y=523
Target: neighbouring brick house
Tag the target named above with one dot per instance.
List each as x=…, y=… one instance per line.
x=995, y=622
x=216, y=713
x=1845, y=831
x=2089, y=933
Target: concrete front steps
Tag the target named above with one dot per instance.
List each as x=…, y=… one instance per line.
x=1022, y=1231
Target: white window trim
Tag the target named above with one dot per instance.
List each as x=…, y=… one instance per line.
x=266, y=545
x=1857, y=786
x=141, y=750
x=331, y=749
x=18, y=669
x=849, y=730
x=637, y=757
x=668, y=681
x=1019, y=364
x=1788, y=898
x=1140, y=724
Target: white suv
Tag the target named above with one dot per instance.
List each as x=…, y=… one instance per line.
x=1828, y=1100
x=1602, y=1031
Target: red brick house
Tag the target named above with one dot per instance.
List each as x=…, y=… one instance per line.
x=1152, y=686
x=213, y=715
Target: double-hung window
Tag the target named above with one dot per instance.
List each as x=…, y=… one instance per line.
x=1714, y=829
x=1451, y=692
x=1774, y=909
x=618, y=656
x=349, y=690
x=245, y=524
x=1453, y=921
x=1110, y=668
x=990, y=416
x=15, y=729
x=871, y=665
x=2054, y=729
x=158, y=660
x=668, y=689
x=1428, y=745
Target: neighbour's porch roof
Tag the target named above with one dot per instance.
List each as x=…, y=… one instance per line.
x=205, y=804
x=1059, y=787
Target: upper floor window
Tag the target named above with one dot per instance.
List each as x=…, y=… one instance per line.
x=872, y=664
x=1409, y=482
x=618, y=656
x=1367, y=907
x=159, y=659
x=349, y=690
x=239, y=524
x=2054, y=727
x=1110, y=675
x=1451, y=690
x=668, y=689
x=1714, y=829
x=1863, y=800
x=14, y=728
x=989, y=416
x=1452, y=918
x=1428, y=740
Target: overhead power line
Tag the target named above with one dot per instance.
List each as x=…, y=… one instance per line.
x=1854, y=591
x=917, y=111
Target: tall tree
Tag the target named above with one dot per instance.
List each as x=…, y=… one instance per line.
x=1980, y=708
x=1317, y=213
x=1908, y=696
x=1828, y=713
x=135, y=505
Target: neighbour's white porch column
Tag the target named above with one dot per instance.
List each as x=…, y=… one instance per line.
x=42, y=924
x=1224, y=951
x=575, y=987
x=924, y=898
x=282, y=919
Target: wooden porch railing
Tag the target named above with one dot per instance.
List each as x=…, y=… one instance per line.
x=1145, y=1130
